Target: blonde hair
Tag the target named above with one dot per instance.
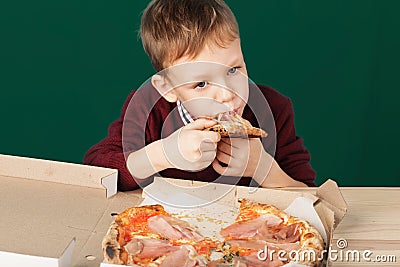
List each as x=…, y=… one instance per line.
x=171, y=29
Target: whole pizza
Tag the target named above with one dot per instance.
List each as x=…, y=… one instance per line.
x=262, y=235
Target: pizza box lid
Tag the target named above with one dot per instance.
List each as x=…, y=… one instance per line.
x=210, y=206
x=51, y=211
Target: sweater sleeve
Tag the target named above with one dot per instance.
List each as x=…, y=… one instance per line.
x=109, y=152
x=290, y=154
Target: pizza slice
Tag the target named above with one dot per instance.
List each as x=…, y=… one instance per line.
x=149, y=236
x=263, y=235
x=231, y=124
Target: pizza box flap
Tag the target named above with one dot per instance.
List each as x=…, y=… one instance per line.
x=329, y=194
x=59, y=172
x=50, y=209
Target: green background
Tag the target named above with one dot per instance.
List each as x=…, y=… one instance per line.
x=67, y=67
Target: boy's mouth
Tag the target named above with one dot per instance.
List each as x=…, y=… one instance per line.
x=206, y=107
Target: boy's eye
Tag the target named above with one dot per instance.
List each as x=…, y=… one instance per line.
x=201, y=85
x=232, y=70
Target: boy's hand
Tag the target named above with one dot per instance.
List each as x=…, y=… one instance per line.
x=243, y=157
x=191, y=149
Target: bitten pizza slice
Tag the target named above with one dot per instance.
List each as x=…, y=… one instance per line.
x=231, y=124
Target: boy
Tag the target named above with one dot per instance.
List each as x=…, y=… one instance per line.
x=160, y=133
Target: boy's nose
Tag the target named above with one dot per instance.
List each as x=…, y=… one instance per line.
x=225, y=95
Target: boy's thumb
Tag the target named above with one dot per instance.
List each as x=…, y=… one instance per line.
x=200, y=124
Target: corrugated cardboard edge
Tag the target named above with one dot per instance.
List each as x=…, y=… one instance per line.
x=60, y=172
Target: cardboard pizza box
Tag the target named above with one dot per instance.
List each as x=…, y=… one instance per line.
x=51, y=212
x=56, y=213
x=211, y=206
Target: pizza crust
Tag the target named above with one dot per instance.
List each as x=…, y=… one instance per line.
x=112, y=250
x=110, y=245
x=226, y=130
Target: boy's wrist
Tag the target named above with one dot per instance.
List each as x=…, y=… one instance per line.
x=147, y=161
x=263, y=168
x=156, y=154
x=276, y=177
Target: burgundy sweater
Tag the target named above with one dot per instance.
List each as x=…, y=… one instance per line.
x=143, y=122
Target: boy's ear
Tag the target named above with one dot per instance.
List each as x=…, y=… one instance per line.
x=160, y=83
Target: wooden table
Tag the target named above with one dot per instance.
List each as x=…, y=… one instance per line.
x=372, y=223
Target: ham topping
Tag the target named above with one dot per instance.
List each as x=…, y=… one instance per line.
x=249, y=228
x=184, y=257
x=265, y=227
x=149, y=247
x=279, y=233
x=172, y=228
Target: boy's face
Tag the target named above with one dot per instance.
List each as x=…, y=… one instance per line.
x=214, y=81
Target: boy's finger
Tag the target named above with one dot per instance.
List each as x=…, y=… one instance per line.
x=222, y=157
x=236, y=142
x=226, y=140
x=223, y=147
x=207, y=145
x=200, y=124
x=210, y=136
x=207, y=156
